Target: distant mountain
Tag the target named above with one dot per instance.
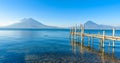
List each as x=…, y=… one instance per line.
x=29, y=23
x=92, y=25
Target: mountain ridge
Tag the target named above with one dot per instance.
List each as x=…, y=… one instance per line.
x=29, y=23
x=93, y=25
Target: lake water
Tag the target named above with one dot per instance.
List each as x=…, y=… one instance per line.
x=54, y=46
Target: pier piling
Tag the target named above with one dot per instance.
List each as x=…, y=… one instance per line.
x=103, y=39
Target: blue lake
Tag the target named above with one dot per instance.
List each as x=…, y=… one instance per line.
x=54, y=46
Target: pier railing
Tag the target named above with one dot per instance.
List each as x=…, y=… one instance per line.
x=79, y=32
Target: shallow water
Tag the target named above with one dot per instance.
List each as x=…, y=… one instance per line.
x=53, y=46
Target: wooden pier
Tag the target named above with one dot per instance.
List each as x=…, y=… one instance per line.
x=78, y=33
x=105, y=56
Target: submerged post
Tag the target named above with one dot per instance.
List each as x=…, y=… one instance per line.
x=113, y=52
x=113, y=43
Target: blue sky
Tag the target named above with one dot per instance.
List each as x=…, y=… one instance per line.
x=61, y=12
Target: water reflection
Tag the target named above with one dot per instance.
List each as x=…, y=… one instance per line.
x=105, y=57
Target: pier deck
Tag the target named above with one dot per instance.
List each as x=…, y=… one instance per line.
x=97, y=36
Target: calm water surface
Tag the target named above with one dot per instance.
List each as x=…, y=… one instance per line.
x=54, y=46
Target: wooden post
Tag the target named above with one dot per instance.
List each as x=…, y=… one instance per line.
x=103, y=43
x=103, y=39
x=109, y=44
x=88, y=41
x=71, y=32
x=100, y=39
x=113, y=32
x=82, y=32
x=83, y=29
x=100, y=42
x=98, y=33
x=109, y=48
x=79, y=29
x=92, y=41
x=113, y=36
x=75, y=32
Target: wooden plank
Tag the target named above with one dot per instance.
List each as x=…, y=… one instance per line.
x=97, y=36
